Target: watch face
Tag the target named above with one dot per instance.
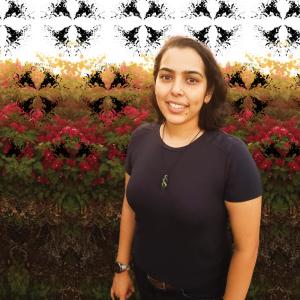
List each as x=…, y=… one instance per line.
x=117, y=268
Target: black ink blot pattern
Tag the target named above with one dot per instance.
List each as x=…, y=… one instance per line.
x=129, y=10
x=200, y=35
x=60, y=9
x=25, y=80
x=225, y=37
x=270, y=9
x=294, y=10
x=15, y=10
x=84, y=37
x=131, y=38
x=14, y=36
x=294, y=36
x=198, y=10
x=282, y=45
x=157, y=11
x=226, y=10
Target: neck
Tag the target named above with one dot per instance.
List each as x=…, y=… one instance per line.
x=181, y=132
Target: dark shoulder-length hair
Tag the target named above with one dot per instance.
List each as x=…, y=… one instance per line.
x=212, y=115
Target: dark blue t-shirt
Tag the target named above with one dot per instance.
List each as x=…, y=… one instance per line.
x=182, y=233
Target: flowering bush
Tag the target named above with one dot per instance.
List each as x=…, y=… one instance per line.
x=70, y=162
x=275, y=147
x=65, y=136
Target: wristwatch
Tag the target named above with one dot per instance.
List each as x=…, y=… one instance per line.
x=120, y=267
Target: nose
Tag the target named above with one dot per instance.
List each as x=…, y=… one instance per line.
x=177, y=87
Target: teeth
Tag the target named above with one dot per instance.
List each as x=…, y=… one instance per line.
x=176, y=105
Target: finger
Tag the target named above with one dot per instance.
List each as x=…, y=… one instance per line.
x=129, y=294
x=112, y=294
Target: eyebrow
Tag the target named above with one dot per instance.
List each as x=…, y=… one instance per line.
x=185, y=72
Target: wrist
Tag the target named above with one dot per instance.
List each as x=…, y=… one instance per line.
x=120, y=267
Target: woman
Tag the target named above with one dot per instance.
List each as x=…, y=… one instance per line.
x=186, y=183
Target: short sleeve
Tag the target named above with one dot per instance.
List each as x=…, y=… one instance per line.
x=243, y=180
x=128, y=160
x=135, y=135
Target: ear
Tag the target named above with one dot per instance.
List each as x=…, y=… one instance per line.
x=208, y=96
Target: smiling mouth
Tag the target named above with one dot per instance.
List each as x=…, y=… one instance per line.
x=175, y=107
x=175, y=104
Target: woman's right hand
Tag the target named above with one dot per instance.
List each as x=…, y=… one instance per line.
x=122, y=286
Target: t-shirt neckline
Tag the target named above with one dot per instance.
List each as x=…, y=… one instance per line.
x=199, y=139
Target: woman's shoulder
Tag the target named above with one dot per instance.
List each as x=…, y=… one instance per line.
x=143, y=129
x=226, y=142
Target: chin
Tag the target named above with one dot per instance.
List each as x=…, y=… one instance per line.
x=175, y=120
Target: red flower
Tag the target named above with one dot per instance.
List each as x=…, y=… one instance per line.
x=229, y=128
x=279, y=162
x=113, y=152
x=36, y=115
x=98, y=181
x=3, y=117
x=28, y=151
x=18, y=127
x=123, y=129
x=71, y=162
x=84, y=166
x=266, y=164
x=247, y=114
x=11, y=108
x=294, y=166
x=49, y=156
x=130, y=111
x=258, y=156
x=107, y=117
x=42, y=179
x=92, y=159
x=7, y=147
x=56, y=164
x=143, y=115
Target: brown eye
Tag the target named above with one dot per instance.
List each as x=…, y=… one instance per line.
x=192, y=80
x=165, y=77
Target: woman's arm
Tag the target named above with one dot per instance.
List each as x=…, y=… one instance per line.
x=127, y=228
x=245, y=225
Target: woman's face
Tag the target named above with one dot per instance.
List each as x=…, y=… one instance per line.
x=181, y=80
